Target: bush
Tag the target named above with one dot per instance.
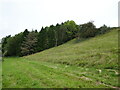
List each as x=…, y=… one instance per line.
x=87, y=30
x=103, y=29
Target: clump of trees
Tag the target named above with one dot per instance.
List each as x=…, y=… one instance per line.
x=26, y=43
x=103, y=29
x=87, y=30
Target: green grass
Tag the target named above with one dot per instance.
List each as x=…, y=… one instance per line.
x=98, y=52
x=71, y=65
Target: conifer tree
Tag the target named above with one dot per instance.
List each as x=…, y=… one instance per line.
x=28, y=46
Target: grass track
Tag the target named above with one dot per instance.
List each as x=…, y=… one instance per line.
x=19, y=73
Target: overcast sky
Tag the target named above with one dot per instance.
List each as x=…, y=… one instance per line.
x=18, y=15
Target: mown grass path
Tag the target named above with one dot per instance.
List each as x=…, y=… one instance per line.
x=22, y=73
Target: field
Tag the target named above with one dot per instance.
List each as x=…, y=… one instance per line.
x=91, y=63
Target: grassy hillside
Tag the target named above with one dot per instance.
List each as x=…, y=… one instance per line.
x=84, y=64
x=99, y=52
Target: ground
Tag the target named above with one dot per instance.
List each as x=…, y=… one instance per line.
x=91, y=63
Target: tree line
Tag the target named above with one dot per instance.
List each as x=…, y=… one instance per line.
x=29, y=42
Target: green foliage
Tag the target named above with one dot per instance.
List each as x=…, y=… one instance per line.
x=29, y=45
x=56, y=35
x=87, y=30
x=49, y=37
x=4, y=43
x=25, y=33
x=13, y=45
x=103, y=29
x=42, y=39
x=71, y=29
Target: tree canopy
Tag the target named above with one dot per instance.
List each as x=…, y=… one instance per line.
x=29, y=42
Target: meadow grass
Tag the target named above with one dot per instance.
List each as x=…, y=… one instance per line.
x=20, y=73
x=92, y=63
x=98, y=52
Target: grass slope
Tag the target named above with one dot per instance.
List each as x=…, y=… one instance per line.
x=71, y=65
x=99, y=52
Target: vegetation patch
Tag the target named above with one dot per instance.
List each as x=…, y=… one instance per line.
x=91, y=63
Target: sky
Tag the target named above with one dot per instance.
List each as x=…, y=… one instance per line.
x=18, y=15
